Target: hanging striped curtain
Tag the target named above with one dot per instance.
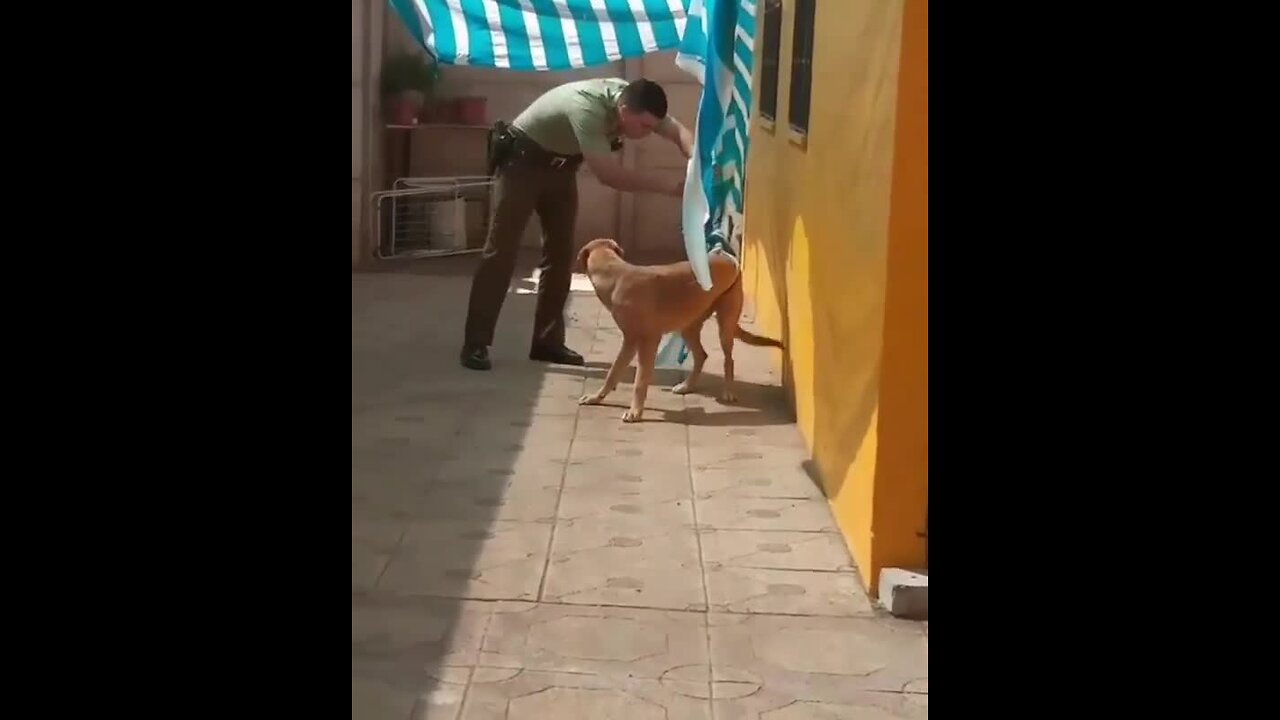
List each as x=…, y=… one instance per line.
x=542, y=34
x=714, y=40
x=718, y=49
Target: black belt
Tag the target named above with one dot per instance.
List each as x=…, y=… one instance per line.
x=511, y=145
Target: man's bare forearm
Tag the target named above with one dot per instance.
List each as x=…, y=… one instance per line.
x=684, y=138
x=628, y=180
x=638, y=181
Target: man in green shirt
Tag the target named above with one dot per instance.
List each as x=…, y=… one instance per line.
x=537, y=158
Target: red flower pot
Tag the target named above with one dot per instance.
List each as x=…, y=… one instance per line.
x=473, y=111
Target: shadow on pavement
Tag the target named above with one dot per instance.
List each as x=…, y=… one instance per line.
x=453, y=494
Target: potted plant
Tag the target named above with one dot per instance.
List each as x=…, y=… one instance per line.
x=407, y=81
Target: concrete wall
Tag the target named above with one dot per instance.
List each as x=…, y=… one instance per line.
x=836, y=262
x=366, y=46
x=641, y=222
x=359, y=12
x=903, y=454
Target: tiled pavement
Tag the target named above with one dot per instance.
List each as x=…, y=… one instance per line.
x=516, y=556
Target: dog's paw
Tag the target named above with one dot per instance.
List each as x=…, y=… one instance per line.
x=591, y=399
x=631, y=416
x=728, y=398
x=682, y=388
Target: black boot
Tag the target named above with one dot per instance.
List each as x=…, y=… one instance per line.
x=560, y=355
x=476, y=357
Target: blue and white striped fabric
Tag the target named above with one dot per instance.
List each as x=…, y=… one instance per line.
x=542, y=34
x=717, y=49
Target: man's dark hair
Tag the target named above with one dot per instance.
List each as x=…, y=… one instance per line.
x=645, y=96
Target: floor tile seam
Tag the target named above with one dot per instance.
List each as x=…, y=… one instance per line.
x=375, y=597
x=699, y=529
x=702, y=566
x=564, y=471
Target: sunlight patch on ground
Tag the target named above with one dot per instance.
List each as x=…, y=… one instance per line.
x=529, y=285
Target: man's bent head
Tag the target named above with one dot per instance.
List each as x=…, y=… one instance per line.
x=641, y=107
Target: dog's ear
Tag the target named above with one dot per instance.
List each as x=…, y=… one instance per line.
x=582, y=257
x=615, y=247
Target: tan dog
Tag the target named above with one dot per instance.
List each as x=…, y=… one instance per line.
x=648, y=301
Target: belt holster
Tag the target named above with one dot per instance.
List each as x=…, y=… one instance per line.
x=501, y=143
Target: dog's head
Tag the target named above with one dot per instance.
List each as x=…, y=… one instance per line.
x=599, y=244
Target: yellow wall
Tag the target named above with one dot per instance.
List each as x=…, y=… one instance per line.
x=837, y=263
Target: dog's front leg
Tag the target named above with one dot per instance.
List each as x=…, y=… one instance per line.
x=620, y=363
x=647, y=349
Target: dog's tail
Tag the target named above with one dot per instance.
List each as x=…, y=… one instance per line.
x=751, y=338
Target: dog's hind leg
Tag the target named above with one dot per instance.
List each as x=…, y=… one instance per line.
x=620, y=363
x=647, y=354
x=728, y=310
x=693, y=338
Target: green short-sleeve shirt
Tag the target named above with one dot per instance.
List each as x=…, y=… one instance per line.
x=577, y=117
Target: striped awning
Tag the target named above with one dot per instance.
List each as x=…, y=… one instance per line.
x=542, y=34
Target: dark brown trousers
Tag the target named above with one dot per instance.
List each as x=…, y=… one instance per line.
x=525, y=185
